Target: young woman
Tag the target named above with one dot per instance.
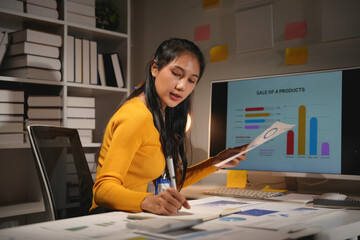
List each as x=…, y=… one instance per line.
x=148, y=128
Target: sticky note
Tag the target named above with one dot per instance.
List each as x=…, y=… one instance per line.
x=297, y=55
x=269, y=189
x=295, y=30
x=202, y=33
x=236, y=178
x=219, y=53
x=210, y=3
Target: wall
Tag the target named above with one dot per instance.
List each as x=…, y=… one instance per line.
x=156, y=20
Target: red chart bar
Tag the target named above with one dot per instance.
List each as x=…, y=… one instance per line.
x=290, y=143
x=254, y=109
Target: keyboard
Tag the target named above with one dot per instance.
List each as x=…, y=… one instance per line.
x=242, y=193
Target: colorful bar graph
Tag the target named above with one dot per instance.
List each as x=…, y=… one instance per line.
x=313, y=136
x=325, y=149
x=302, y=130
x=252, y=127
x=290, y=143
x=255, y=121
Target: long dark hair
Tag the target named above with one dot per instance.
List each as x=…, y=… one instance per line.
x=172, y=130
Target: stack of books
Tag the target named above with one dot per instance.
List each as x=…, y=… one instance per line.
x=33, y=54
x=43, y=8
x=45, y=110
x=11, y=116
x=81, y=115
x=82, y=61
x=81, y=12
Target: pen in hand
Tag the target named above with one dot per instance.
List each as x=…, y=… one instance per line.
x=170, y=164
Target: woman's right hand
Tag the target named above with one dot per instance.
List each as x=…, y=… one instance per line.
x=165, y=203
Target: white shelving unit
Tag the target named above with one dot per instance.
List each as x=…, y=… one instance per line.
x=21, y=201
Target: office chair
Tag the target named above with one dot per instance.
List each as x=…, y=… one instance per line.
x=63, y=171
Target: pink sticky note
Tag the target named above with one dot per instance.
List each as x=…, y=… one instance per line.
x=202, y=33
x=295, y=30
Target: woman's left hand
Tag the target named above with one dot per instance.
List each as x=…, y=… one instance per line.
x=228, y=153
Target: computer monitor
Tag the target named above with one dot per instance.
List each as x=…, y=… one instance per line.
x=323, y=105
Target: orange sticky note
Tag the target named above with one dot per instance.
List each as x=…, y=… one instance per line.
x=295, y=30
x=297, y=55
x=269, y=189
x=202, y=33
x=219, y=53
x=236, y=178
x=210, y=3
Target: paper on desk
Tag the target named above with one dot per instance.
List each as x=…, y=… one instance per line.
x=273, y=131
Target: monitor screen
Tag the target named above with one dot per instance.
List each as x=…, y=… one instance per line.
x=322, y=105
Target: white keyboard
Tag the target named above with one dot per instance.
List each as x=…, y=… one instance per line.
x=242, y=193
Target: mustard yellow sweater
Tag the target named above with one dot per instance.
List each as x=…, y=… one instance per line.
x=130, y=157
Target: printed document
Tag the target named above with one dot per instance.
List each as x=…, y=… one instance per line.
x=273, y=131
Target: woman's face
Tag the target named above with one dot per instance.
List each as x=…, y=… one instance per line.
x=176, y=80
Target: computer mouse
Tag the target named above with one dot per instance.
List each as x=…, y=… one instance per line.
x=334, y=196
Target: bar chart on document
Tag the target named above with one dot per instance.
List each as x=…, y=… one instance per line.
x=315, y=141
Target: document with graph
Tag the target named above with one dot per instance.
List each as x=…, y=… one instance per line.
x=273, y=131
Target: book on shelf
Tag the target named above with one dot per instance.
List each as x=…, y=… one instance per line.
x=101, y=70
x=11, y=108
x=85, y=44
x=113, y=71
x=44, y=113
x=33, y=49
x=88, y=102
x=11, y=138
x=44, y=101
x=86, y=135
x=11, y=127
x=4, y=38
x=41, y=11
x=78, y=60
x=82, y=9
x=80, y=112
x=51, y=122
x=35, y=73
x=81, y=19
x=93, y=63
x=34, y=36
x=44, y=3
x=85, y=2
x=81, y=123
x=70, y=50
x=11, y=96
x=11, y=118
x=31, y=61
x=14, y=5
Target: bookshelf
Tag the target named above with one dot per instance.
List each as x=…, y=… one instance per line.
x=21, y=201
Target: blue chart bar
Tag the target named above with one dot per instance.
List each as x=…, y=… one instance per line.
x=255, y=121
x=313, y=136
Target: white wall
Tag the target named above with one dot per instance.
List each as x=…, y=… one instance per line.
x=156, y=20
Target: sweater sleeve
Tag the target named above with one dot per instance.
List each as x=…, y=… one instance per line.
x=121, y=140
x=199, y=171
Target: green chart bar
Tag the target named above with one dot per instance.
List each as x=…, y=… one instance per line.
x=302, y=130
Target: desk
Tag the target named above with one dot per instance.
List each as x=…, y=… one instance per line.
x=331, y=224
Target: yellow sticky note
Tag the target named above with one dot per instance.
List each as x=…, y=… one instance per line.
x=298, y=55
x=210, y=3
x=269, y=189
x=236, y=178
x=219, y=53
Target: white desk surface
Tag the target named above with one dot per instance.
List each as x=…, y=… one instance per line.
x=332, y=224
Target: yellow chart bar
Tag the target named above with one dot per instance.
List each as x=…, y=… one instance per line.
x=257, y=115
x=302, y=130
